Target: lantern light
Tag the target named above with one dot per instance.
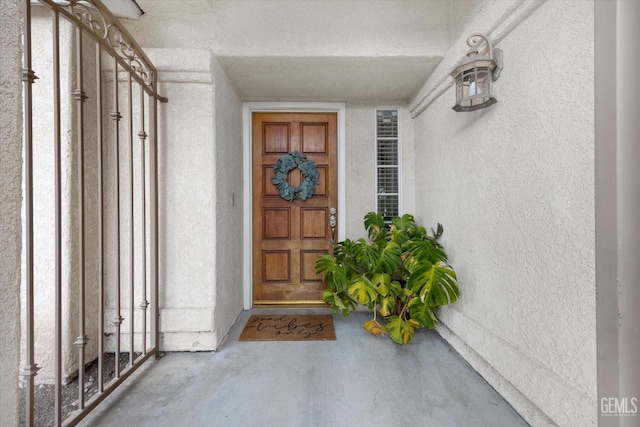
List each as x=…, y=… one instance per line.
x=475, y=74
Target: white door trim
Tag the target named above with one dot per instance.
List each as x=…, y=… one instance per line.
x=299, y=107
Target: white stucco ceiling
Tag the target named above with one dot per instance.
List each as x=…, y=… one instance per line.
x=310, y=49
x=327, y=78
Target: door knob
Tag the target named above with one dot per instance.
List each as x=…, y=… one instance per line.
x=332, y=224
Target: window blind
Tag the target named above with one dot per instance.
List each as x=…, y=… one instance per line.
x=387, y=167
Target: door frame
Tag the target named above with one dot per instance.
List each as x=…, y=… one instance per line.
x=248, y=109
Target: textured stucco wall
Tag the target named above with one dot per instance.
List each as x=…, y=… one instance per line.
x=200, y=173
x=360, y=162
x=513, y=186
x=187, y=217
x=227, y=165
x=10, y=202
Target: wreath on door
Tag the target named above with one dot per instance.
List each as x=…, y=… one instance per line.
x=286, y=164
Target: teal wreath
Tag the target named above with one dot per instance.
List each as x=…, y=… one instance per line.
x=286, y=164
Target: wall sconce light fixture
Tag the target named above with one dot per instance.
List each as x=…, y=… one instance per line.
x=474, y=75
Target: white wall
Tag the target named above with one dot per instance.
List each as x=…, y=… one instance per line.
x=200, y=172
x=513, y=186
x=10, y=203
x=228, y=166
x=186, y=151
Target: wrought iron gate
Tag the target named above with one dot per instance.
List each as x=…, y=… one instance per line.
x=104, y=290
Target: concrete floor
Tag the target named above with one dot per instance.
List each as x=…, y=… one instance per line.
x=357, y=380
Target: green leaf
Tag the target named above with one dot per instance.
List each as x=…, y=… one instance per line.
x=423, y=313
x=398, y=236
x=375, y=226
x=436, y=284
x=390, y=260
x=387, y=305
x=338, y=301
x=382, y=282
x=395, y=288
x=425, y=249
x=415, y=268
x=341, y=250
x=373, y=221
x=363, y=290
x=333, y=274
x=365, y=254
x=401, y=331
x=328, y=296
x=404, y=222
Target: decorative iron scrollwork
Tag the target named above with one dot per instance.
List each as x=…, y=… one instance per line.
x=105, y=29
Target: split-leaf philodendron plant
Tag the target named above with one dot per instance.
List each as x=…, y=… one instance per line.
x=401, y=273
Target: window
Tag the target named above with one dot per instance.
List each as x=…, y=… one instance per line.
x=388, y=163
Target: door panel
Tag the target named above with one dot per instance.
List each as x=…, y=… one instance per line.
x=288, y=236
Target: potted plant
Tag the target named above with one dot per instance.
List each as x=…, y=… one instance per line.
x=400, y=272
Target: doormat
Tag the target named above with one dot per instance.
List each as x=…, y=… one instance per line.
x=289, y=327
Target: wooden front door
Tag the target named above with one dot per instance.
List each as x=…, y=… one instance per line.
x=288, y=236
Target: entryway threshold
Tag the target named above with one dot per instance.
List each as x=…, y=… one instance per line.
x=275, y=305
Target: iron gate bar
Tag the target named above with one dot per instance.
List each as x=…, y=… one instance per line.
x=153, y=217
x=28, y=76
x=117, y=320
x=58, y=218
x=80, y=97
x=131, y=226
x=144, y=303
x=100, y=111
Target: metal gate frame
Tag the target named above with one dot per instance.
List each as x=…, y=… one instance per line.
x=91, y=18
